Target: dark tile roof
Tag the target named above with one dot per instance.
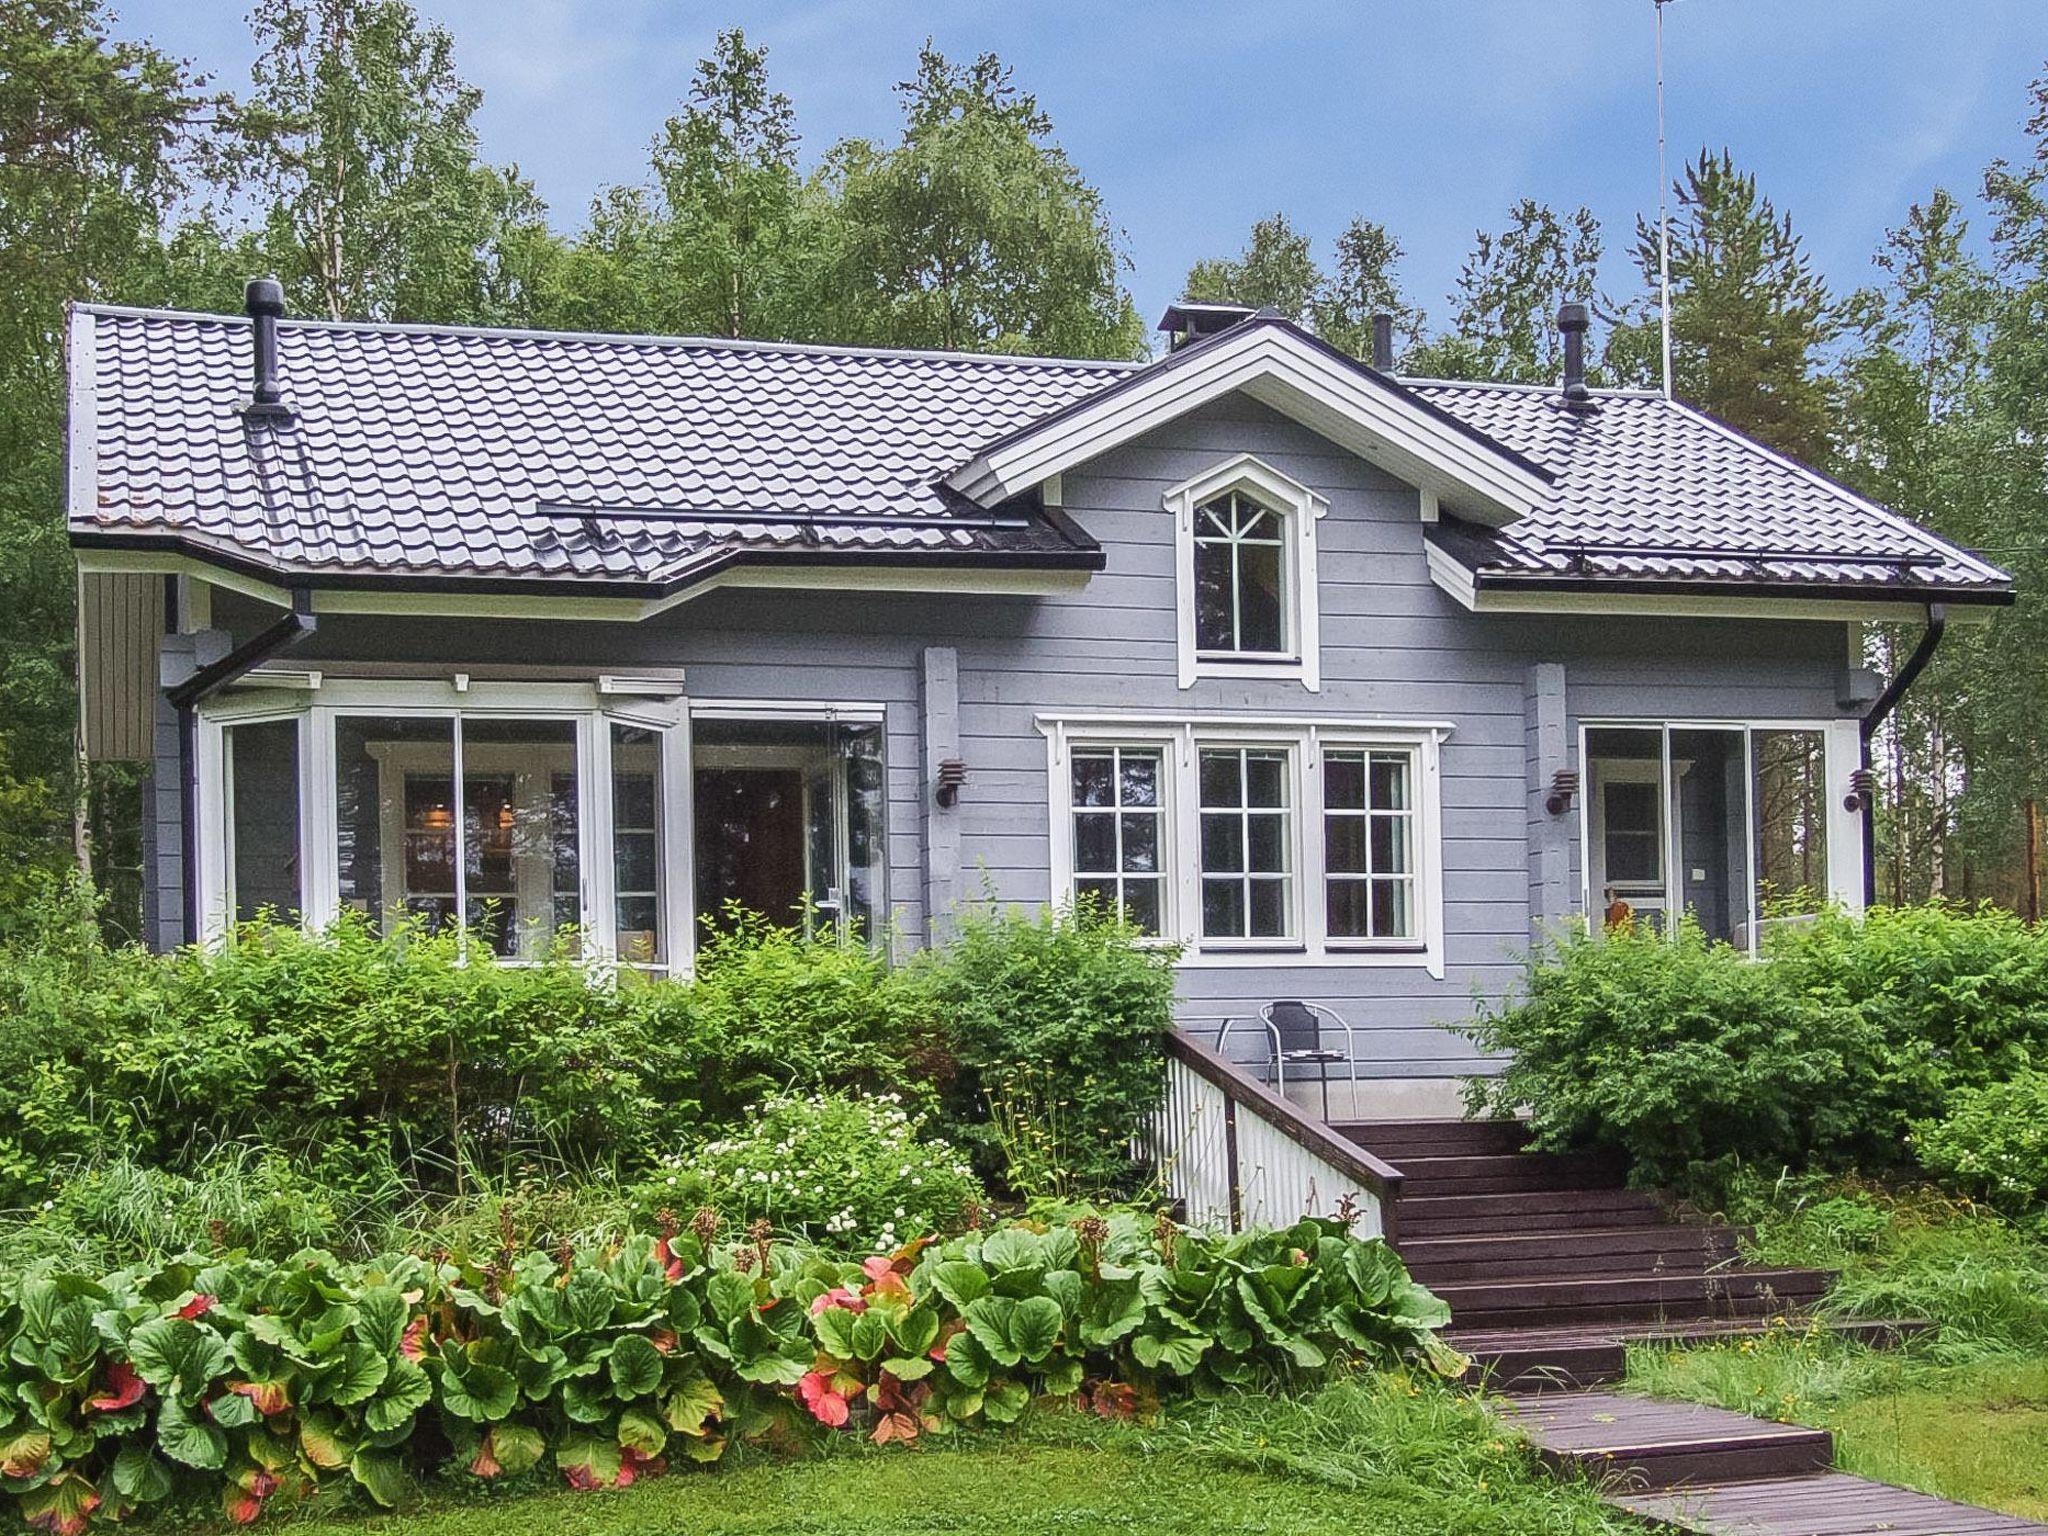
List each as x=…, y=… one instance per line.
x=1649, y=491
x=424, y=452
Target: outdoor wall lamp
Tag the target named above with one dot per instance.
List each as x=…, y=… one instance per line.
x=952, y=774
x=1564, y=788
x=1862, y=790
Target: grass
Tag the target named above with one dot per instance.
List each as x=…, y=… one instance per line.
x=1374, y=1454
x=1961, y=1411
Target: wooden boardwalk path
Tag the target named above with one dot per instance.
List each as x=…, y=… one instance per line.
x=1694, y=1468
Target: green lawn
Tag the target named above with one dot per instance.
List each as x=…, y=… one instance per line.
x=1371, y=1456
x=1961, y=1411
x=1976, y=1432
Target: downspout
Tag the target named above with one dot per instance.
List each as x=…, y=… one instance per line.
x=251, y=653
x=1866, y=786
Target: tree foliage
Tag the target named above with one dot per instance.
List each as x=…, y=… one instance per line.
x=1504, y=319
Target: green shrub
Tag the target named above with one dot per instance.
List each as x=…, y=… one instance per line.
x=1057, y=1018
x=252, y=1383
x=844, y=1169
x=772, y=1010
x=1993, y=1142
x=1694, y=1059
x=1679, y=1051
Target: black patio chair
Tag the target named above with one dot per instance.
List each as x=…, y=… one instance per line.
x=1295, y=1041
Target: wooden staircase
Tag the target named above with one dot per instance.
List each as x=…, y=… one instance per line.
x=1552, y=1265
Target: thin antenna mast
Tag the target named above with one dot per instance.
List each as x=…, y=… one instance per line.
x=1663, y=207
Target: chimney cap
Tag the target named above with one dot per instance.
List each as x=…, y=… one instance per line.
x=1189, y=320
x=264, y=296
x=1574, y=317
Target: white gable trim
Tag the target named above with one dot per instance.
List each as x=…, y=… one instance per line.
x=1303, y=509
x=1277, y=366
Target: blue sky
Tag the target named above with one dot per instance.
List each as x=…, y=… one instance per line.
x=1194, y=117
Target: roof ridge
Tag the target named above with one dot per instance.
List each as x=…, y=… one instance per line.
x=623, y=338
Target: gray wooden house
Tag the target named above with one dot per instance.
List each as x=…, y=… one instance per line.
x=1346, y=681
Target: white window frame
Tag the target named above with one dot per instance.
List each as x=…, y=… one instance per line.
x=1299, y=510
x=593, y=708
x=1841, y=756
x=1180, y=740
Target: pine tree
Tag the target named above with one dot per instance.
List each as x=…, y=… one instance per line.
x=1750, y=318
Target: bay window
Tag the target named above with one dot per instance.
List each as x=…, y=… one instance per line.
x=1255, y=841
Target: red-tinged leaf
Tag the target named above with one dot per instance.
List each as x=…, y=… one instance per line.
x=581, y=1478
x=198, y=1306
x=634, y=1464
x=409, y=1343
x=270, y=1397
x=63, y=1506
x=486, y=1463
x=839, y=1296
x=664, y=1340
x=670, y=1264
x=902, y=1427
x=124, y=1390
x=242, y=1508
x=22, y=1454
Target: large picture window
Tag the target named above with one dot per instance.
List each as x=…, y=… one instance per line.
x=1257, y=843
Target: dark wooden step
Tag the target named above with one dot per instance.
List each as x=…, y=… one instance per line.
x=1548, y=1210
x=1562, y=1255
x=1509, y=1173
x=1585, y=1354
x=1638, y=1442
x=1815, y=1504
x=1396, y=1139
x=1736, y=1292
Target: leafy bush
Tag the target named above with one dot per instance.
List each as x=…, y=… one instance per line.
x=840, y=1168
x=774, y=1009
x=1070, y=999
x=1694, y=1059
x=252, y=1382
x=1993, y=1141
x=1677, y=1050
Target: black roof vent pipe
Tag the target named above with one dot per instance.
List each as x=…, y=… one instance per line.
x=264, y=299
x=1383, y=342
x=1572, y=321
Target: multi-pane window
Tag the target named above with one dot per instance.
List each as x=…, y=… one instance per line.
x=1240, y=577
x=1369, y=845
x=1117, y=831
x=1246, y=843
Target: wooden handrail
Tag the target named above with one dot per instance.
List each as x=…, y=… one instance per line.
x=1350, y=1159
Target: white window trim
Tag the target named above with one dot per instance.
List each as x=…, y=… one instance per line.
x=587, y=704
x=1179, y=742
x=1841, y=756
x=1301, y=509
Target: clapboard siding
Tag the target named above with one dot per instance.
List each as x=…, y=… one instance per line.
x=1394, y=646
